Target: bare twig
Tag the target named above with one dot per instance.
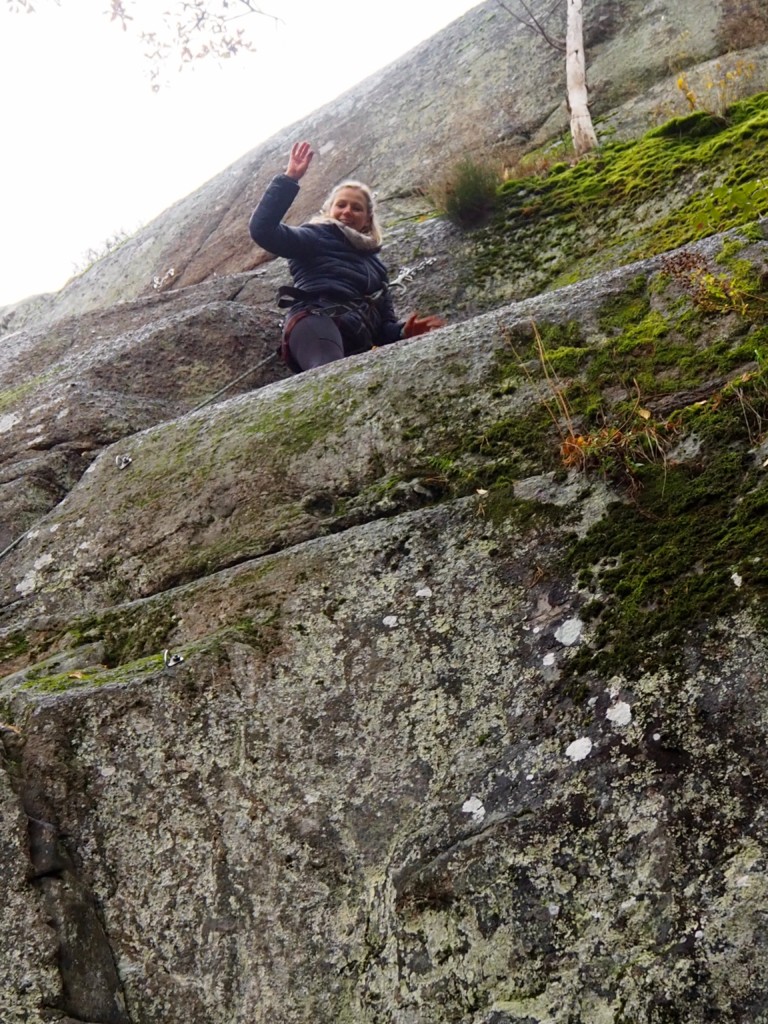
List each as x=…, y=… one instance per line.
x=535, y=25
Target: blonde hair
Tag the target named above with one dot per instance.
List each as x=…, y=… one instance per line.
x=374, y=228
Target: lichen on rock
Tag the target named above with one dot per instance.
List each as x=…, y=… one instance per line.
x=424, y=688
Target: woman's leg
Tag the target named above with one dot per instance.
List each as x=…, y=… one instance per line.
x=315, y=341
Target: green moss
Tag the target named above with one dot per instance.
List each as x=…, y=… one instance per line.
x=686, y=544
x=522, y=344
x=91, y=677
x=502, y=506
x=670, y=560
x=262, y=634
x=503, y=450
x=585, y=218
x=294, y=428
x=626, y=308
x=13, y=646
x=12, y=396
x=128, y=633
x=143, y=628
x=592, y=398
x=698, y=125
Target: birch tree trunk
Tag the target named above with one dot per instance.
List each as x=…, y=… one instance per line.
x=582, y=131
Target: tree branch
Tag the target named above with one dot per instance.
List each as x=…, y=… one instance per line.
x=534, y=25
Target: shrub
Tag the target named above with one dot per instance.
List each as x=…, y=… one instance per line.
x=744, y=23
x=468, y=192
x=93, y=255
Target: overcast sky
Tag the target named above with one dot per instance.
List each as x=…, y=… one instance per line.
x=90, y=151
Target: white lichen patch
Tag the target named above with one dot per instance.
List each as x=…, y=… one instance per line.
x=579, y=749
x=548, y=659
x=619, y=713
x=474, y=806
x=736, y=579
x=8, y=422
x=390, y=621
x=569, y=632
x=30, y=582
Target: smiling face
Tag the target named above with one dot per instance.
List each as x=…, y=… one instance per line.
x=350, y=206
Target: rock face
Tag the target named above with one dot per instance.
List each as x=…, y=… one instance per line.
x=483, y=81
x=426, y=687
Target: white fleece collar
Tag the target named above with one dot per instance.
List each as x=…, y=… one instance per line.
x=356, y=238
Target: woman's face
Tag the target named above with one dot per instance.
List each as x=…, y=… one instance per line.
x=350, y=207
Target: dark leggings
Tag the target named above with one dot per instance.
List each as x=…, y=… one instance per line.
x=315, y=341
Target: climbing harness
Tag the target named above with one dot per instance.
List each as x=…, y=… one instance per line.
x=288, y=296
x=325, y=306
x=362, y=307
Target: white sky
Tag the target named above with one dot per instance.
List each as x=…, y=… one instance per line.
x=89, y=150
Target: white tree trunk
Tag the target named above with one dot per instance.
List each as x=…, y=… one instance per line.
x=582, y=132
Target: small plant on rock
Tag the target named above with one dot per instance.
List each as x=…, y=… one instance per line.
x=720, y=90
x=467, y=194
x=737, y=291
x=616, y=450
x=735, y=204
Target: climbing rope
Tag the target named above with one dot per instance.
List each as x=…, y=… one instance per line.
x=123, y=461
x=18, y=540
x=235, y=381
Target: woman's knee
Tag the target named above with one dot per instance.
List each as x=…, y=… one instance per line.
x=315, y=341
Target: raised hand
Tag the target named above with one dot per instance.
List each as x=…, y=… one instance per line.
x=299, y=160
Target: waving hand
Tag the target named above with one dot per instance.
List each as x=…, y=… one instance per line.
x=299, y=160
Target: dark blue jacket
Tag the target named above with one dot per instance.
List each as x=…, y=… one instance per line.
x=349, y=283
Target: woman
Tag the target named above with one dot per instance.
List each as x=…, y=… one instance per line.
x=340, y=302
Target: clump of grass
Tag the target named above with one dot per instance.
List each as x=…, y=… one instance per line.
x=718, y=91
x=467, y=194
x=554, y=158
x=743, y=23
x=616, y=450
x=737, y=291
